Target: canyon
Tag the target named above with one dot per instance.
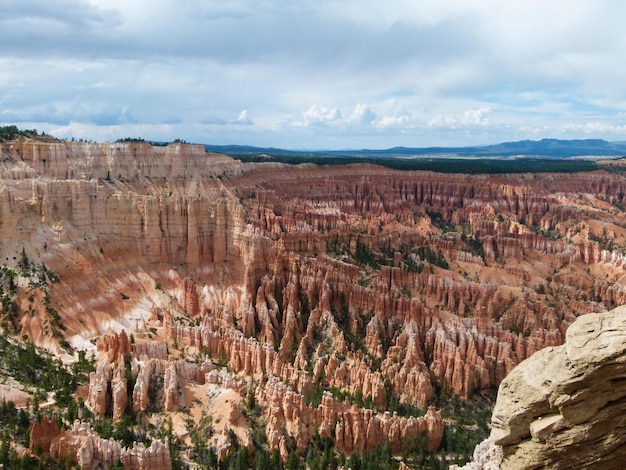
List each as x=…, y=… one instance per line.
x=336, y=297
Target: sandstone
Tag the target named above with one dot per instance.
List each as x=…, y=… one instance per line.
x=42, y=434
x=564, y=406
x=170, y=389
x=115, y=346
x=142, y=386
x=254, y=266
x=99, y=398
x=119, y=391
x=234, y=413
x=355, y=429
x=87, y=450
x=224, y=444
x=150, y=349
x=487, y=456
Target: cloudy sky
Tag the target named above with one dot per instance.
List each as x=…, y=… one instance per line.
x=313, y=74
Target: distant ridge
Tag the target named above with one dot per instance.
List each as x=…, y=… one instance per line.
x=545, y=148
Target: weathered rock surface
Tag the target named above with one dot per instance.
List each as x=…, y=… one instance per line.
x=487, y=456
x=99, y=398
x=82, y=446
x=86, y=449
x=353, y=428
x=42, y=434
x=385, y=285
x=565, y=407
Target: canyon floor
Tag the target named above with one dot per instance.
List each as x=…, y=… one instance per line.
x=167, y=308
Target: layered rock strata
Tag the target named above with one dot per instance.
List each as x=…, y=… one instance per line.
x=565, y=407
x=382, y=284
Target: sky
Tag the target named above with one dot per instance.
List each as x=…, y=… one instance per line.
x=315, y=74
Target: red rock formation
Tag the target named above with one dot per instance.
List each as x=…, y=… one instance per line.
x=170, y=388
x=353, y=429
x=142, y=386
x=42, y=433
x=87, y=450
x=99, y=395
x=190, y=298
x=119, y=391
x=115, y=345
x=108, y=385
x=319, y=276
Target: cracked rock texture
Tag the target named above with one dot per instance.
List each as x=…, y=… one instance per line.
x=565, y=407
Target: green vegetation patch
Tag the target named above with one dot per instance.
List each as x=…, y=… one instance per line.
x=8, y=133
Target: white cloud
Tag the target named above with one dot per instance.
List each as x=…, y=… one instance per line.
x=321, y=116
x=395, y=121
x=469, y=119
x=601, y=128
x=362, y=115
x=395, y=115
x=476, y=117
x=244, y=119
x=413, y=73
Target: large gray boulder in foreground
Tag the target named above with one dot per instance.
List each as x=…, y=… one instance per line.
x=565, y=406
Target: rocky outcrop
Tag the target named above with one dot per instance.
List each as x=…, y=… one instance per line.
x=141, y=399
x=352, y=428
x=119, y=391
x=99, y=394
x=487, y=456
x=565, y=407
x=87, y=450
x=82, y=446
x=170, y=389
x=42, y=433
x=115, y=346
x=109, y=383
x=85, y=160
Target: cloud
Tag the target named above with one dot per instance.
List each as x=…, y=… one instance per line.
x=98, y=113
x=362, y=115
x=476, y=117
x=321, y=116
x=243, y=119
x=470, y=118
x=395, y=121
x=395, y=115
x=213, y=121
x=68, y=13
x=406, y=73
x=601, y=128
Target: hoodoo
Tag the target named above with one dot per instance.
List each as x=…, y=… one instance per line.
x=302, y=308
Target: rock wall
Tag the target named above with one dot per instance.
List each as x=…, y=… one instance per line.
x=87, y=450
x=86, y=161
x=564, y=407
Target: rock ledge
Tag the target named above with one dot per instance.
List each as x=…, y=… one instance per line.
x=565, y=407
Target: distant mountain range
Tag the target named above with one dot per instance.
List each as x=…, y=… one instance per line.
x=545, y=148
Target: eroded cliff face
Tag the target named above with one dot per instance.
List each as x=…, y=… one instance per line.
x=382, y=285
x=564, y=406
